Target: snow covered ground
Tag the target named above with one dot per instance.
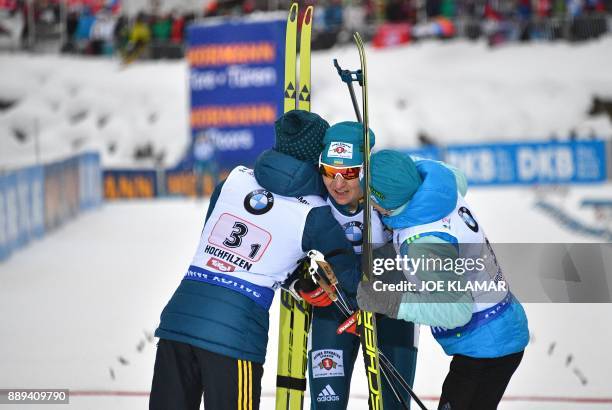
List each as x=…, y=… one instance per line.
x=453, y=91
x=77, y=310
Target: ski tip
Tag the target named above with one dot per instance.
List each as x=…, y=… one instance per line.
x=293, y=12
x=308, y=16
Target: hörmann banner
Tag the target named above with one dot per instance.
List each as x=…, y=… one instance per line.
x=236, y=81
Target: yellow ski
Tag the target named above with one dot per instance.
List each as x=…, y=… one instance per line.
x=290, y=58
x=367, y=320
x=295, y=316
x=304, y=96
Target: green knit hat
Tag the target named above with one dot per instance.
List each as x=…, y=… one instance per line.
x=300, y=134
x=344, y=144
x=394, y=178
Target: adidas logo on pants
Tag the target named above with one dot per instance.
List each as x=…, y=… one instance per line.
x=327, y=394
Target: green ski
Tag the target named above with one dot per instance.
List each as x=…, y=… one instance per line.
x=295, y=316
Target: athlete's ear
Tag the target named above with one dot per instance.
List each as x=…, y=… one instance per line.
x=380, y=209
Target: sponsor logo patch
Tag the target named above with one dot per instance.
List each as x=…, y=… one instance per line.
x=219, y=265
x=327, y=394
x=340, y=150
x=446, y=223
x=327, y=363
x=467, y=217
x=246, y=170
x=354, y=232
x=258, y=202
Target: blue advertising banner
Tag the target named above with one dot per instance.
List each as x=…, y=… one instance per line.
x=61, y=192
x=39, y=198
x=36, y=179
x=236, y=81
x=90, y=180
x=24, y=206
x=55, y=205
x=21, y=208
x=5, y=251
x=432, y=152
x=11, y=210
x=531, y=163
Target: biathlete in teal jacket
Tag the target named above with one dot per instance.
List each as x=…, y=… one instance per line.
x=214, y=330
x=332, y=356
x=453, y=281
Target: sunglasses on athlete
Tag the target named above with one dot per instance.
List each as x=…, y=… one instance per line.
x=347, y=173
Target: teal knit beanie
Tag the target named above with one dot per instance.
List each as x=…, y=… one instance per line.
x=300, y=134
x=344, y=144
x=394, y=178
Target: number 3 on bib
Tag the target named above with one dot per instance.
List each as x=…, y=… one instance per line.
x=240, y=236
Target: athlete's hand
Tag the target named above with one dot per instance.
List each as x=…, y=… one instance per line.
x=312, y=293
x=386, y=303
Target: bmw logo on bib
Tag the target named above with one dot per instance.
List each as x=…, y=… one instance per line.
x=467, y=217
x=258, y=202
x=354, y=232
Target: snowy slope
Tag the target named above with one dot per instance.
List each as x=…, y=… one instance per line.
x=452, y=91
x=75, y=104
x=78, y=302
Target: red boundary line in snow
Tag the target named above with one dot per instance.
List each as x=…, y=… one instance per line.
x=555, y=399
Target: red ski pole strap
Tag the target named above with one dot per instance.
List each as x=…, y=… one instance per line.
x=349, y=325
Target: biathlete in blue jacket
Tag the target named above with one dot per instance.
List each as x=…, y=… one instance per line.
x=332, y=356
x=453, y=281
x=213, y=332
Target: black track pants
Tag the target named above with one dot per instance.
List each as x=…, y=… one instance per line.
x=183, y=373
x=477, y=384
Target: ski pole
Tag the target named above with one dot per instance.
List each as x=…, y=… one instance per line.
x=398, y=396
x=343, y=306
x=341, y=302
x=385, y=362
x=349, y=77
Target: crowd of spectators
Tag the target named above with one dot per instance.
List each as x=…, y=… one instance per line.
x=104, y=33
x=107, y=33
x=502, y=20
x=156, y=34
x=106, y=30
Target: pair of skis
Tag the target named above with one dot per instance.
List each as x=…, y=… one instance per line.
x=295, y=315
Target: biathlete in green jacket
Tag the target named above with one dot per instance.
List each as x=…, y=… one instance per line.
x=213, y=332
